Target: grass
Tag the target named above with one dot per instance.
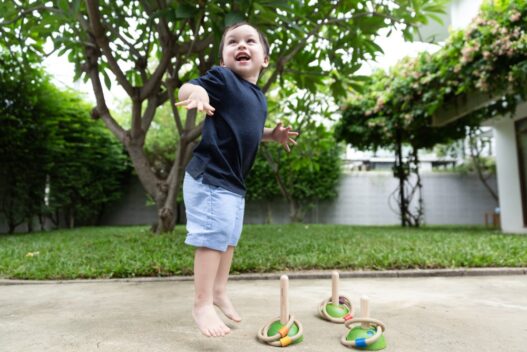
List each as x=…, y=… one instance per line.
x=111, y=252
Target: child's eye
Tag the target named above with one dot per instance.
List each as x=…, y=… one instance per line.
x=232, y=41
x=251, y=41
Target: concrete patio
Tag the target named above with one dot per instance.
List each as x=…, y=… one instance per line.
x=425, y=314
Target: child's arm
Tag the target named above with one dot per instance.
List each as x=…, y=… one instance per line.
x=280, y=134
x=192, y=96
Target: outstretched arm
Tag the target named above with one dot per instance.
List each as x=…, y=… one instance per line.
x=192, y=96
x=282, y=135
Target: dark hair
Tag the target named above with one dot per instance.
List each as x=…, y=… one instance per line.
x=263, y=39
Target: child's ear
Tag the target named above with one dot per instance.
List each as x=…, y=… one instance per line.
x=265, y=62
x=222, y=63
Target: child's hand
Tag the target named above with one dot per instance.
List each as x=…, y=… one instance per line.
x=283, y=135
x=196, y=101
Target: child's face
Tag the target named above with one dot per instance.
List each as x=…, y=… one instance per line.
x=243, y=53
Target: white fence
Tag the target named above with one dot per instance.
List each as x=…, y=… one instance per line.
x=362, y=200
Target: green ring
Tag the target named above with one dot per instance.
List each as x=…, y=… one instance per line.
x=337, y=311
x=273, y=330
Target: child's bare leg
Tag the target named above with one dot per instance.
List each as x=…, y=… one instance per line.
x=206, y=263
x=220, y=286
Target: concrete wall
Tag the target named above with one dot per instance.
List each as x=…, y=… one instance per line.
x=132, y=209
x=363, y=199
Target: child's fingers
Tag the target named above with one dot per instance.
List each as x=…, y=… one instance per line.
x=293, y=133
x=183, y=102
x=200, y=106
x=292, y=141
x=191, y=105
x=209, y=109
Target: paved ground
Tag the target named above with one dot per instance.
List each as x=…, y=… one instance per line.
x=427, y=314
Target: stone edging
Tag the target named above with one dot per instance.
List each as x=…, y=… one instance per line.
x=306, y=275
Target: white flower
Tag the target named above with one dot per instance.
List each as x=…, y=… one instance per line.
x=515, y=16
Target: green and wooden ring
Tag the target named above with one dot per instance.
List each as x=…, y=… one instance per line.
x=275, y=333
x=363, y=342
x=369, y=335
x=285, y=330
x=336, y=309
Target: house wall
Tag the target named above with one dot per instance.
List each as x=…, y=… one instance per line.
x=459, y=13
x=508, y=171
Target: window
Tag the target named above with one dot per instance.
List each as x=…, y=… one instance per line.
x=521, y=139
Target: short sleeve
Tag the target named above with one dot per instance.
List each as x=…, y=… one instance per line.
x=214, y=83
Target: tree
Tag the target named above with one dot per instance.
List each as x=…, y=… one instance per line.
x=388, y=116
x=116, y=41
x=86, y=164
x=22, y=141
x=55, y=159
x=310, y=173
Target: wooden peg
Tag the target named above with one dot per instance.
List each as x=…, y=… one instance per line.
x=335, y=288
x=365, y=310
x=284, y=304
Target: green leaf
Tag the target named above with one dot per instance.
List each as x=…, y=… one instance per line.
x=64, y=6
x=233, y=18
x=107, y=80
x=184, y=11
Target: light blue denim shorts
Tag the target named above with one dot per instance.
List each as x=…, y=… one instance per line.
x=214, y=215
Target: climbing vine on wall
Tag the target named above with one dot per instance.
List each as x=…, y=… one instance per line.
x=397, y=108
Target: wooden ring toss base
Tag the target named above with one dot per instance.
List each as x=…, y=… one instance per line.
x=285, y=330
x=336, y=309
x=368, y=335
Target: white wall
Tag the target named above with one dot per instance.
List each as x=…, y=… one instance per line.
x=459, y=13
x=463, y=11
x=508, y=172
x=449, y=199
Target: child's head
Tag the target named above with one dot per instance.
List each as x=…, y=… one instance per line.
x=245, y=50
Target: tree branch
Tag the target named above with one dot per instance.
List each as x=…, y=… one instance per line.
x=282, y=61
x=166, y=41
x=150, y=112
x=193, y=47
x=101, y=110
x=169, y=82
x=195, y=132
x=102, y=41
x=154, y=82
x=25, y=12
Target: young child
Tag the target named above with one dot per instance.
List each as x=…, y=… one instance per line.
x=214, y=184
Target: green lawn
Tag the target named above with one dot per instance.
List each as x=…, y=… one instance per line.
x=133, y=251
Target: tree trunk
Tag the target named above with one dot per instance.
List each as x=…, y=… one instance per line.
x=295, y=211
x=11, y=226
x=71, y=218
x=417, y=218
x=29, y=224
x=475, y=154
x=401, y=175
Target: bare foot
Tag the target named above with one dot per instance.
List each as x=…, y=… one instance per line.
x=208, y=321
x=225, y=305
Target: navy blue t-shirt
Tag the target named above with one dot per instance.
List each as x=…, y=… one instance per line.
x=230, y=137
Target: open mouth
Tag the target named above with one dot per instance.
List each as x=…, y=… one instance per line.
x=242, y=57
